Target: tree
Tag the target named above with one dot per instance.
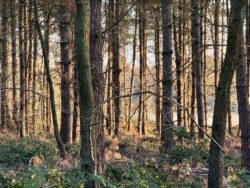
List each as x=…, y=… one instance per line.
x=96, y=44
x=50, y=83
x=143, y=68
x=243, y=104
x=13, y=59
x=4, y=64
x=66, y=52
x=157, y=71
x=22, y=66
x=215, y=175
x=116, y=63
x=85, y=87
x=167, y=136
x=216, y=41
x=197, y=62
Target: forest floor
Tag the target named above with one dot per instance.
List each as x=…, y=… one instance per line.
x=131, y=161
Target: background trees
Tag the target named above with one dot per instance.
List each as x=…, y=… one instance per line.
x=128, y=78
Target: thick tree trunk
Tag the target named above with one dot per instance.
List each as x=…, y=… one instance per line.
x=85, y=86
x=96, y=44
x=167, y=136
x=243, y=104
x=50, y=83
x=65, y=35
x=215, y=175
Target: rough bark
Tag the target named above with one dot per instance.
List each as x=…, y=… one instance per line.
x=85, y=87
x=96, y=42
x=243, y=104
x=65, y=35
x=215, y=175
x=167, y=136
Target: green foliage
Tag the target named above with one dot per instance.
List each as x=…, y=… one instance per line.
x=73, y=149
x=135, y=176
x=196, y=152
x=51, y=178
x=243, y=180
x=181, y=133
x=15, y=152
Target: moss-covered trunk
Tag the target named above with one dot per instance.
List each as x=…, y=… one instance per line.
x=85, y=87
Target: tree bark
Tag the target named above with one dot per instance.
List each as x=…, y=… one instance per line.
x=197, y=62
x=13, y=60
x=157, y=73
x=243, y=104
x=216, y=41
x=96, y=44
x=65, y=35
x=22, y=66
x=34, y=82
x=215, y=175
x=4, y=63
x=167, y=136
x=85, y=86
x=116, y=64
x=50, y=83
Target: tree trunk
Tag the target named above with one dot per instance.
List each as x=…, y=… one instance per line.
x=116, y=64
x=157, y=73
x=143, y=65
x=177, y=44
x=34, y=82
x=76, y=104
x=96, y=44
x=65, y=35
x=13, y=59
x=167, y=136
x=215, y=175
x=4, y=64
x=248, y=44
x=243, y=104
x=197, y=62
x=22, y=66
x=50, y=83
x=85, y=86
x=216, y=41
